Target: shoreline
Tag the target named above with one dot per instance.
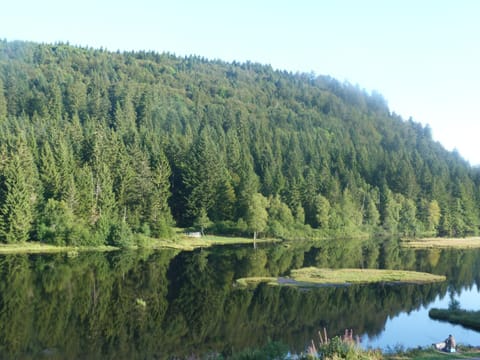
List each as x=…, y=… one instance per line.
x=179, y=243
x=472, y=242
x=185, y=243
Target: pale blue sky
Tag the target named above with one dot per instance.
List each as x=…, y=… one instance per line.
x=422, y=55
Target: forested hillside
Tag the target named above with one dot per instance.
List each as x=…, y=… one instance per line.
x=96, y=146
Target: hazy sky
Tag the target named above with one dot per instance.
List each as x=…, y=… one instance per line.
x=422, y=55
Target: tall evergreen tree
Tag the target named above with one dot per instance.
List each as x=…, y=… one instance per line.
x=3, y=102
x=18, y=192
x=202, y=174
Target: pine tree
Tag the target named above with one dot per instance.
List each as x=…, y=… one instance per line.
x=18, y=192
x=3, y=103
x=49, y=173
x=389, y=210
x=322, y=212
x=434, y=214
x=202, y=174
x=408, y=221
x=372, y=216
x=104, y=215
x=159, y=215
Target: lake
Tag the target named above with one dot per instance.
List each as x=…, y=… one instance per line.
x=166, y=304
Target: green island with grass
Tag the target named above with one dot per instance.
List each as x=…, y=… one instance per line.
x=467, y=318
x=430, y=243
x=312, y=277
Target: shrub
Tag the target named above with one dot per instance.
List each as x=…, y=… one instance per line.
x=120, y=235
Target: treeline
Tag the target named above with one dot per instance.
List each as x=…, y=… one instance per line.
x=97, y=146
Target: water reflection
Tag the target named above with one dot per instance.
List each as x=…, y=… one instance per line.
x=416, y=328
x=159, y=304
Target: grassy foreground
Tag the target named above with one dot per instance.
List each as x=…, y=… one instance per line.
x=346, y=347
x=458, y=243
x=311, y=277
x=432, y=354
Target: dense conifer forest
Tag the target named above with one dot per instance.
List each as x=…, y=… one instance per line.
x=98, y=146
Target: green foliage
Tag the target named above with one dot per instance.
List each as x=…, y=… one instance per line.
x=336, y=348
x=153, y=140
x=163, y=228
x=121, y=235
x=280, y=218
x=18, y=192
x=202, y=221
x=257, y=215
x=3, y=102
x=434, y=214
x=57, y=225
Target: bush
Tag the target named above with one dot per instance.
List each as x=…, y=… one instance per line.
x=230, y=228
x=57, y=226
x=336, y=348
x=163, y=229
x=121, y=235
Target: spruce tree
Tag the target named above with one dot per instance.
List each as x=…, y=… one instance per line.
x=3, y=103
x=19, y=192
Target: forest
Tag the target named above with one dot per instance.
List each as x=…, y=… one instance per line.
x=97, y=147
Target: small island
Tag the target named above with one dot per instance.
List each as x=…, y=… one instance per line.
x=316, y=277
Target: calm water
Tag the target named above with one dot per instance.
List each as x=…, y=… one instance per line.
x=412, y=329
x=167, y=304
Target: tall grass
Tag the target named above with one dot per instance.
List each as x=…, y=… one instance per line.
x=339, y=347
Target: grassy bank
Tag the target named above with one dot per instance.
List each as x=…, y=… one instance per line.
x=428, y=243
x=341, y=347
x=346, y=347
x=179, y=242
x=183, y=242
x=31, y=247
x=311, y=277
x=468, y=319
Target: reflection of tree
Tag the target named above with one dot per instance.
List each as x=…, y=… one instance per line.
x=16, y=313
x=158, y=304
x=199, y=295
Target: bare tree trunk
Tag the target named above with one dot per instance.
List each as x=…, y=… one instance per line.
x=254, y=239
